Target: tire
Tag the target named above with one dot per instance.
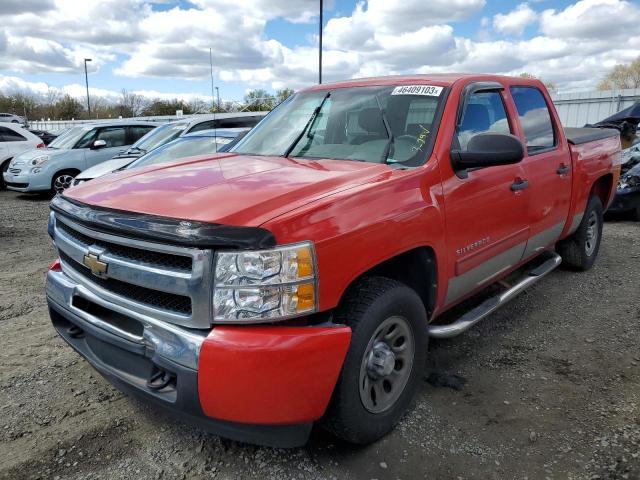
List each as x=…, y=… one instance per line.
x=580, y=250
x=62, y=180
x=636, y=214
x=3, y=169
x=371, y=307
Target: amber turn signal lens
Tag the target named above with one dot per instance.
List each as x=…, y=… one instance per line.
x=305, y=262
x=306, y=297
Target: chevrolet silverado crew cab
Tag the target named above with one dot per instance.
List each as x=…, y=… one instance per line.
x=298, y=277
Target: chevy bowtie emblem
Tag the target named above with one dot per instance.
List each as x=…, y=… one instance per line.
x=97, y=267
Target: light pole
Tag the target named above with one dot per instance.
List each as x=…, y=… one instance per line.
x=86, y=79
x=320, y=47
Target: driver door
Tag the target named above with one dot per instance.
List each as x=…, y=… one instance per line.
x=486, y=223
x=116, y=140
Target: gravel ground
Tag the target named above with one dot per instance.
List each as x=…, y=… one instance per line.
x=552, y=390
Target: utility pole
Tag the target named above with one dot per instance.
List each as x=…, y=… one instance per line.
x=213, y=98
x=86, y=80
x=320, y=48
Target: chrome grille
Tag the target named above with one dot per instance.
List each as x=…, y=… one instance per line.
x=162, y=260
x=162, y=281
x=153, y=298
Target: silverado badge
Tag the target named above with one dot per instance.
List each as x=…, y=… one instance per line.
x=97, y=267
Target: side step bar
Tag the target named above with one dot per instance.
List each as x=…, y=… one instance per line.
x=490, y=305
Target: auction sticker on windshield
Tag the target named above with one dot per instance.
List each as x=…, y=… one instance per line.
x=427, y=90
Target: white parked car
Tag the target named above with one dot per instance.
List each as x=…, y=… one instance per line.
x=11, y=118
x=13, y=141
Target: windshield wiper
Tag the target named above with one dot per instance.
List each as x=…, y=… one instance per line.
x=314, y=115
x=387, y=149
x=138, y=149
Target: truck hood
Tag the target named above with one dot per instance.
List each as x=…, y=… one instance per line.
x=227, y=189
x=104, y=168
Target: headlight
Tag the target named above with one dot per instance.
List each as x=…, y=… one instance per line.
x=264, y=285
x=37, y=161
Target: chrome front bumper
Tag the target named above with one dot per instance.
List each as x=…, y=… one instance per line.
x=158, y=339
x=128, y=360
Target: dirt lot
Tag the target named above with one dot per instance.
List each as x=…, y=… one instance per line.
x=552, y=391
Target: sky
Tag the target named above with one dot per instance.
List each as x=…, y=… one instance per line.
x=160, y=48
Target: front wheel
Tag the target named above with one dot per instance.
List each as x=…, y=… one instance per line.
x=3, y=169
x=580, y=250
x=61, y=181
x=385, y=361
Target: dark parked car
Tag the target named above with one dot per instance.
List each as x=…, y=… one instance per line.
x=47, y=137
x=627, y=199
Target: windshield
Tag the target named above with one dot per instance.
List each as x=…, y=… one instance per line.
x=69, y=138
x=157, y=137
x=372, y=124
x=181, y=148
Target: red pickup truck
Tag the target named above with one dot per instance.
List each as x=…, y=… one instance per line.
x=299, y=277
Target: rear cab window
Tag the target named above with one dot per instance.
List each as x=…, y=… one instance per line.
x=535, y=119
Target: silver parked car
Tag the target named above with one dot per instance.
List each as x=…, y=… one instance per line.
x=54, y=168
x=195, y=123
x=11, y=118
x=205, y=142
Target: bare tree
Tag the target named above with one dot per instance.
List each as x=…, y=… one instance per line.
x=622, y=76
x=131, y=104
x=551, y=86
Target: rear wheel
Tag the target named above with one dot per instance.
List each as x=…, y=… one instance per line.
x=62, y=180
x=385, y=361
x=580, y=250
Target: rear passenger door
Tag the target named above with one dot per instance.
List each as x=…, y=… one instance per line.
x=115, y=138
x=13, y=142
x=136, y=132
x=548, y=168
x=486, y=222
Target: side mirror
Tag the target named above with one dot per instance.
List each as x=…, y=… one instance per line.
x=488, y=150
x=98, y=144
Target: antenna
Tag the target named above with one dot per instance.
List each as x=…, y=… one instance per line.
x=213, y=100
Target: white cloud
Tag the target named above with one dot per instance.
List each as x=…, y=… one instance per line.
x=12, y=84
x=592, y=19
x=514, y=22
x=573, y=46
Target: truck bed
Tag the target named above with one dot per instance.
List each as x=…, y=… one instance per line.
x=578, y=136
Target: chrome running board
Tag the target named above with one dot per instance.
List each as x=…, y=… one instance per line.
x=490, y=305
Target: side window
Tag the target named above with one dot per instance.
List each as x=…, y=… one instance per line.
x=535, y=118
x=203, y=126
x=114, y=136
x=485, y=112
x=138, y=132
x=8, y=135
x=87, y=138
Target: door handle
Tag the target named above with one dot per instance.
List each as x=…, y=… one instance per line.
x=519, y=184
x=563, y=169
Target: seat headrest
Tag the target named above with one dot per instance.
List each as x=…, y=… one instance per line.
x=370, y=120
x=476, y=118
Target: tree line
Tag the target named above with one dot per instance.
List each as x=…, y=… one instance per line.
x=54, y=105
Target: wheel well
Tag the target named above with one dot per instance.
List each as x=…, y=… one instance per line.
x=415, y=268
x=71, y=171
x=5, y=162
x=602, y=188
